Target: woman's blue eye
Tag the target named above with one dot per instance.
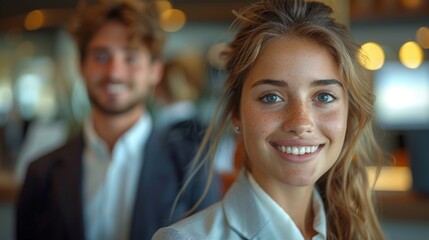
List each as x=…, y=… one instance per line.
x=325, y=98
x=271, y=98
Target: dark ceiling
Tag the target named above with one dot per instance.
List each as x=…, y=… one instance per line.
x=10, y=8
x=12, y=12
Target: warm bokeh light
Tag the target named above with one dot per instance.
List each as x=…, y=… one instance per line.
x=173, y=20
x=163, y=5
x=215, y=55
x=373, y=56
x=412, y=4
x=422, y=37
x=391, y=178
x=411, y=55
x=34, y=20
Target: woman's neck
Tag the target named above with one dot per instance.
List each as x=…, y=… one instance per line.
x=297, y=202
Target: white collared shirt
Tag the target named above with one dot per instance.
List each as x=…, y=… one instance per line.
x=287, y=229
x=110, y=180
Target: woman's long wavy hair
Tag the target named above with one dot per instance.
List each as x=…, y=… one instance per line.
x=345, y=189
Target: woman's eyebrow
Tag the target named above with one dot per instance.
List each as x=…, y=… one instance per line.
x=278, y=83
x=325, y=82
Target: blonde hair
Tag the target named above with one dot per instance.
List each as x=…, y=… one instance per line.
x=344, y=188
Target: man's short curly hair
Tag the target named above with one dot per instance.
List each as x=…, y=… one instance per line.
x=141, y=18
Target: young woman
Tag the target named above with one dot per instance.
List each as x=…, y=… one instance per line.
x=302, y=104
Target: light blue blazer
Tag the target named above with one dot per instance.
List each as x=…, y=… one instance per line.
x=238, y=216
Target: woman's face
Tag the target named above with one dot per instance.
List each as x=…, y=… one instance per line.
x=293, y=113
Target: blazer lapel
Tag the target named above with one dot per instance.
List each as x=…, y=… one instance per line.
x=68, y=183
x=244, y=213
x=144, y=214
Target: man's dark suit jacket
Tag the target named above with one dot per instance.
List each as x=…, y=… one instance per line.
x=50, y=202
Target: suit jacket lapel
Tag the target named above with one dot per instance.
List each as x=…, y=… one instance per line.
x=68, y=183
x=144, y=214
x=244, y=213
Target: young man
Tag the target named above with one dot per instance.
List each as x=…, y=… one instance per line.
x=119, y=178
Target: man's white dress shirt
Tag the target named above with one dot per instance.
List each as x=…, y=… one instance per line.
x=110, y=180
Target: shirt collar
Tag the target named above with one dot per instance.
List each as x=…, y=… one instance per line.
x=94, y=143
x=133, y=139
x=282, y=219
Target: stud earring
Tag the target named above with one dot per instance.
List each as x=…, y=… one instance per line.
x=237, y=129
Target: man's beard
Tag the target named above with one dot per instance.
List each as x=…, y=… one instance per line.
x=115, y=111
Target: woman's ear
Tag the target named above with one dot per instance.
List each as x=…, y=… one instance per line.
x=236, y=123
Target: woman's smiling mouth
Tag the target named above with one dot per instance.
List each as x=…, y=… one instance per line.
x=297, y=153
x=297, y=150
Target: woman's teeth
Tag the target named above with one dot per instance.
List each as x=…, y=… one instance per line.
x=297, y=150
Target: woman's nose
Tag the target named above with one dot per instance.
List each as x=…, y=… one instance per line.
x=298, y=118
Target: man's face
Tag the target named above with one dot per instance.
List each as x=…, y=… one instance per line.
x=118, y=78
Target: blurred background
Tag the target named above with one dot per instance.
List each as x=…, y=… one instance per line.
x=42, y=99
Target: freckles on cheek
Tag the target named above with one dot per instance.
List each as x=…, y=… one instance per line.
x=257, y=121
x=250, y=120
x=335, y=122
